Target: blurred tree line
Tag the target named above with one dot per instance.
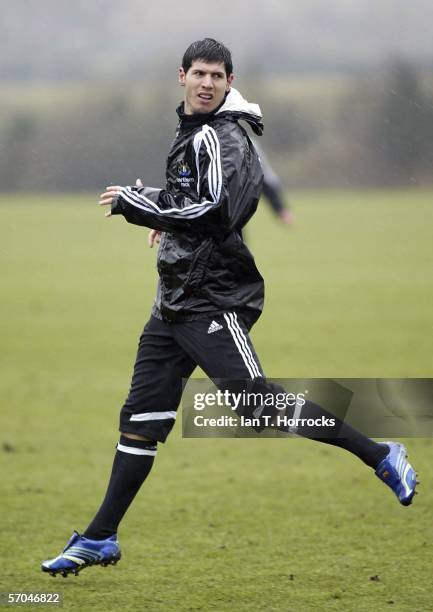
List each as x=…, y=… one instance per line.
x=363, y=131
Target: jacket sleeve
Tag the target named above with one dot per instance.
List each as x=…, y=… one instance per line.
x=209, y=207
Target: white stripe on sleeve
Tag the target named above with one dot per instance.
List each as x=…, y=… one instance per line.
x=209, y=137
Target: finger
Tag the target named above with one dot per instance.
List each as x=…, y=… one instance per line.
x=138, y=183
x=107, y=197
x=108, y=214
x=114, y=188
x=158, y=238
x=107, y=201
x=150, y=239
x=108, y=194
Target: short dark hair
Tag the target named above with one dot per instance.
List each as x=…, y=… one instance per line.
x=208, y=50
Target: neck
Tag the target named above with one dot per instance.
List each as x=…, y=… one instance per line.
x=186, y=109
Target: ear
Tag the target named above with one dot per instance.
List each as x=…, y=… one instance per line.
x=181, y=77
x=229, y=81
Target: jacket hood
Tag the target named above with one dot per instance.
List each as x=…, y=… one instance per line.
x=235, y=104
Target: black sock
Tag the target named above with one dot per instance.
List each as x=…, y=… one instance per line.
x=342, y=435
x=132, y=464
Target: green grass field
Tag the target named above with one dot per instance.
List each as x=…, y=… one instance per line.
x=225, y=525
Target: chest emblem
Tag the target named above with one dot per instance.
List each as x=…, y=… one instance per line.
x=184, y=174
x=183, y=169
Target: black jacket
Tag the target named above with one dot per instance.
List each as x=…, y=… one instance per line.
x=214, y=180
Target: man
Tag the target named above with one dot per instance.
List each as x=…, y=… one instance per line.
x=273, y=190
x=209, y=295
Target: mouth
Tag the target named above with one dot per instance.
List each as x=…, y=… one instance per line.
x=205, y=97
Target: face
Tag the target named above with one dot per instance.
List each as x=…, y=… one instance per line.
x=205, y=86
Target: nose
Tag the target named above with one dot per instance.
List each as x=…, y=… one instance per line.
x=207, y=81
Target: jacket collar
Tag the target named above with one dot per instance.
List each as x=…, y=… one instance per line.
x=233, y=105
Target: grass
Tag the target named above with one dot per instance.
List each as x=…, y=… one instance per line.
x=221, y=524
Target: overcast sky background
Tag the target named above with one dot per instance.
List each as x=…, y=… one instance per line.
x=60, y=39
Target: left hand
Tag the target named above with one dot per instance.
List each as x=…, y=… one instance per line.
x=286, y=217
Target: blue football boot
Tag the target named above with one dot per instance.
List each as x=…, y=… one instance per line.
x=397, y=473
x=81, y=552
